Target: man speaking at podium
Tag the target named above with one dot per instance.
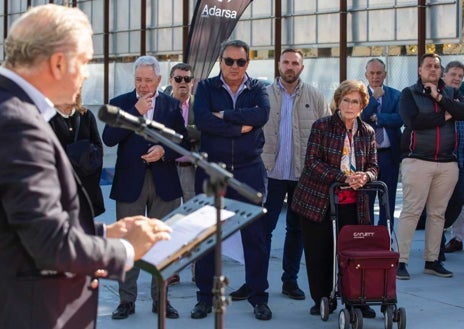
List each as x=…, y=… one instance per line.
x=50, y=253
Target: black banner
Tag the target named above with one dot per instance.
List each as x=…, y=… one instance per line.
x=212, y=23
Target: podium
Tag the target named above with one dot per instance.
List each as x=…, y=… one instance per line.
x=204, y=240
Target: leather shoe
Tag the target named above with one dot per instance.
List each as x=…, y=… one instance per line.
x=171, y=312
x=241, y=293
x=315, y=310
x=262, y=312
x=123, y=311
x=293, y=291
x=200, y=310
x=453, y=245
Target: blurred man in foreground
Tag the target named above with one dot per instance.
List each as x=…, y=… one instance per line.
x=51, y=251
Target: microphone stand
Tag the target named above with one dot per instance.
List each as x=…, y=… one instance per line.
x=219, y=179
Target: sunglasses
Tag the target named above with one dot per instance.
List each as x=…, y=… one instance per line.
x=230, y=61
x=178, y=79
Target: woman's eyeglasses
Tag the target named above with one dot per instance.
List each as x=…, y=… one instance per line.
x=178, y=79
x=230, y=61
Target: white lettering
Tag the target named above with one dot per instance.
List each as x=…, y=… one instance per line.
x=362, y=235
x=218, y=12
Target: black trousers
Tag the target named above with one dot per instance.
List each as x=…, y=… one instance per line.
x=318, y=249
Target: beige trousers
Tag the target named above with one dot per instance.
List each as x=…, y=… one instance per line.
x=429, y=184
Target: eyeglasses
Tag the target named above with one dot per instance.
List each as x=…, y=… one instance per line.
x=179, y=78
x=241, y=62
x=354, y=102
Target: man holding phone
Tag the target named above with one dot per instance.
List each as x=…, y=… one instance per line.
x=145, y=179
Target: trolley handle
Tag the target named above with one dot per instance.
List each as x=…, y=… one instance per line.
x=374, y=186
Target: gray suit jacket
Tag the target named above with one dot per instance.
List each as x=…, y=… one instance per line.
x=49, y=250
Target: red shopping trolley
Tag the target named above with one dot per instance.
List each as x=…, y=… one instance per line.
x=366, y=267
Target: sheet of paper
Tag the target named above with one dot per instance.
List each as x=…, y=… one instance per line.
x=232, y=247
x=185, y=228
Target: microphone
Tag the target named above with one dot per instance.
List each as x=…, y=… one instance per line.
x=116, y=117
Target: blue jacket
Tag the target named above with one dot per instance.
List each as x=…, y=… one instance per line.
x=130, y=168
x=222, y=139
x=389, y=118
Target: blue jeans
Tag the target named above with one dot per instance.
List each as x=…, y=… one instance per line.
x=293, y=245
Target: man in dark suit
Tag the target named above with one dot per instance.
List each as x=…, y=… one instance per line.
x=50, y=254
x=145, y=178
x=382, y=113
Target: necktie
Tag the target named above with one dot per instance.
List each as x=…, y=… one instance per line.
x=379, y=130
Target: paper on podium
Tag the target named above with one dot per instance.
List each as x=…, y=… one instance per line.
x=187, y=230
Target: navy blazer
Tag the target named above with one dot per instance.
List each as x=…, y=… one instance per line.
x=389, y=118
x=48, y=248
x=130, y=169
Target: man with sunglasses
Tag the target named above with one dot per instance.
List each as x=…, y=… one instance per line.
x=230, y=111
x=181, y=85
x=181, y=81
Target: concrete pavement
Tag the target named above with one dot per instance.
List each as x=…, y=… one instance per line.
x=431, y=302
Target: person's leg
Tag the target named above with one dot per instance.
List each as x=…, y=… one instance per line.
x=204, y=274
x=254, y=244
x=187, y=182
x=458, y=227
x=293, y=244
x=318, y=251
x=416, y=180
x=275, y=196
x=128, y=288
x=158, y=208
x=388, y=173
x=204, y=267
x=256, y=264
x=441, y=189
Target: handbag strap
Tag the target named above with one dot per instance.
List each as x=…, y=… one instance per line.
x=78, y=125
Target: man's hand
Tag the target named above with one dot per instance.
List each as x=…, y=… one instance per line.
x=448, y=116
x=118, y=229
x=219, y=114
x=378, y=92
x=144, y=232
x=144, y=103
x=433, y=89
x=246, y=129
x=154, y=153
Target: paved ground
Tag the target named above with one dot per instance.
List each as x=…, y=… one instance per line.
x=430, y=302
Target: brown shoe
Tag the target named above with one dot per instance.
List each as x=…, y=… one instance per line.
x=453, y=245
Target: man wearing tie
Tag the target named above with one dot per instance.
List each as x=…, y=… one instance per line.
x=382, y=113
x=145, y=178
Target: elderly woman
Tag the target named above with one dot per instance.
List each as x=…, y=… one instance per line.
x=341, y=148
